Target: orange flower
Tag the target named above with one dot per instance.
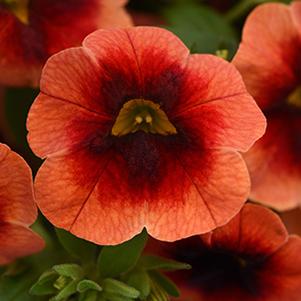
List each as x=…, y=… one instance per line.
x=269, y=60
x=139, y=133
x=33, y=30
x=252, y=258
x=18, y=209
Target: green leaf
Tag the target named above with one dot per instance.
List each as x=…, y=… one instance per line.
x=44, y=285
x=169, y=287
x=86, y=284
x=89, y=296
x=71, y=270
x=114, y=297
x=140, y=280
x=115, y=260
x=202, y=29
x=75, y=246
x=150, y=262
x=119, y=288
x=157, y=293
x=17, y=288
x=66, y=292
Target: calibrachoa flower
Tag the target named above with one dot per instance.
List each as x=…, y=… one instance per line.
x=138, y=133
x=33, y=30
x=252, y=258
x=269, y=60
x=18, y=209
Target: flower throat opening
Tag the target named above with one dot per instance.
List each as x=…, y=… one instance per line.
x=19, y=8
x=142, y=115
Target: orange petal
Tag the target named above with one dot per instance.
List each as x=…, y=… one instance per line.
x=218, y=110
x=274, y=163
x=16, y=189
x=17, y=241
x=89, y=199
x=247, y=235
x=56, y=125
x=267, y=55
x=199, y=194
x=113, y=14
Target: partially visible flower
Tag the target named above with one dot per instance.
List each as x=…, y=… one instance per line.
x=269, y=59
x=33, y=30
x=17, y=208
x=252, y=258
x=139, y=133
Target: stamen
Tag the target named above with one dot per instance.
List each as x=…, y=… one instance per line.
x=138, y=119
x=148, y=119
x=142, y=115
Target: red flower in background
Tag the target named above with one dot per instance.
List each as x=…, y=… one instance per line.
x=138, y=133
x=269, y=59
x=33, y=30
x=18, y=210
x=252, y=258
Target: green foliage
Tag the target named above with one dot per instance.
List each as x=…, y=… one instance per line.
x=86, y=285
x=167, y=285
x=150, y=262
x=115, y=260
x=44, y=285
x=202, y=29
x=116, y=287
x=140, y=280
x=78, y=248
x=73, y=271
x=136, y=277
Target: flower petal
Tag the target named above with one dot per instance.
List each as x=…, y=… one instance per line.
x=268, y=53
x=199, y=194
x=246, y=234
x=73, y=75
x=17, y=241
x=57, y=125
x=216, y=110
x=113, y=14
x=282, y=275
x=153, y=60
x=16, y=189
x=274, y=162
x=101, y=205
x=89, y=199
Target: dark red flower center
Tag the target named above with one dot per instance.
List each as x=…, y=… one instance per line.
x=218, y=269
x=142, y=115
x=19, y=8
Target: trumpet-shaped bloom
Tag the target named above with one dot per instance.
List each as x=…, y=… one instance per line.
x=269, y=61
x=31, y=31
x=252, y=258
x=18, y=210
x=138, y=133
